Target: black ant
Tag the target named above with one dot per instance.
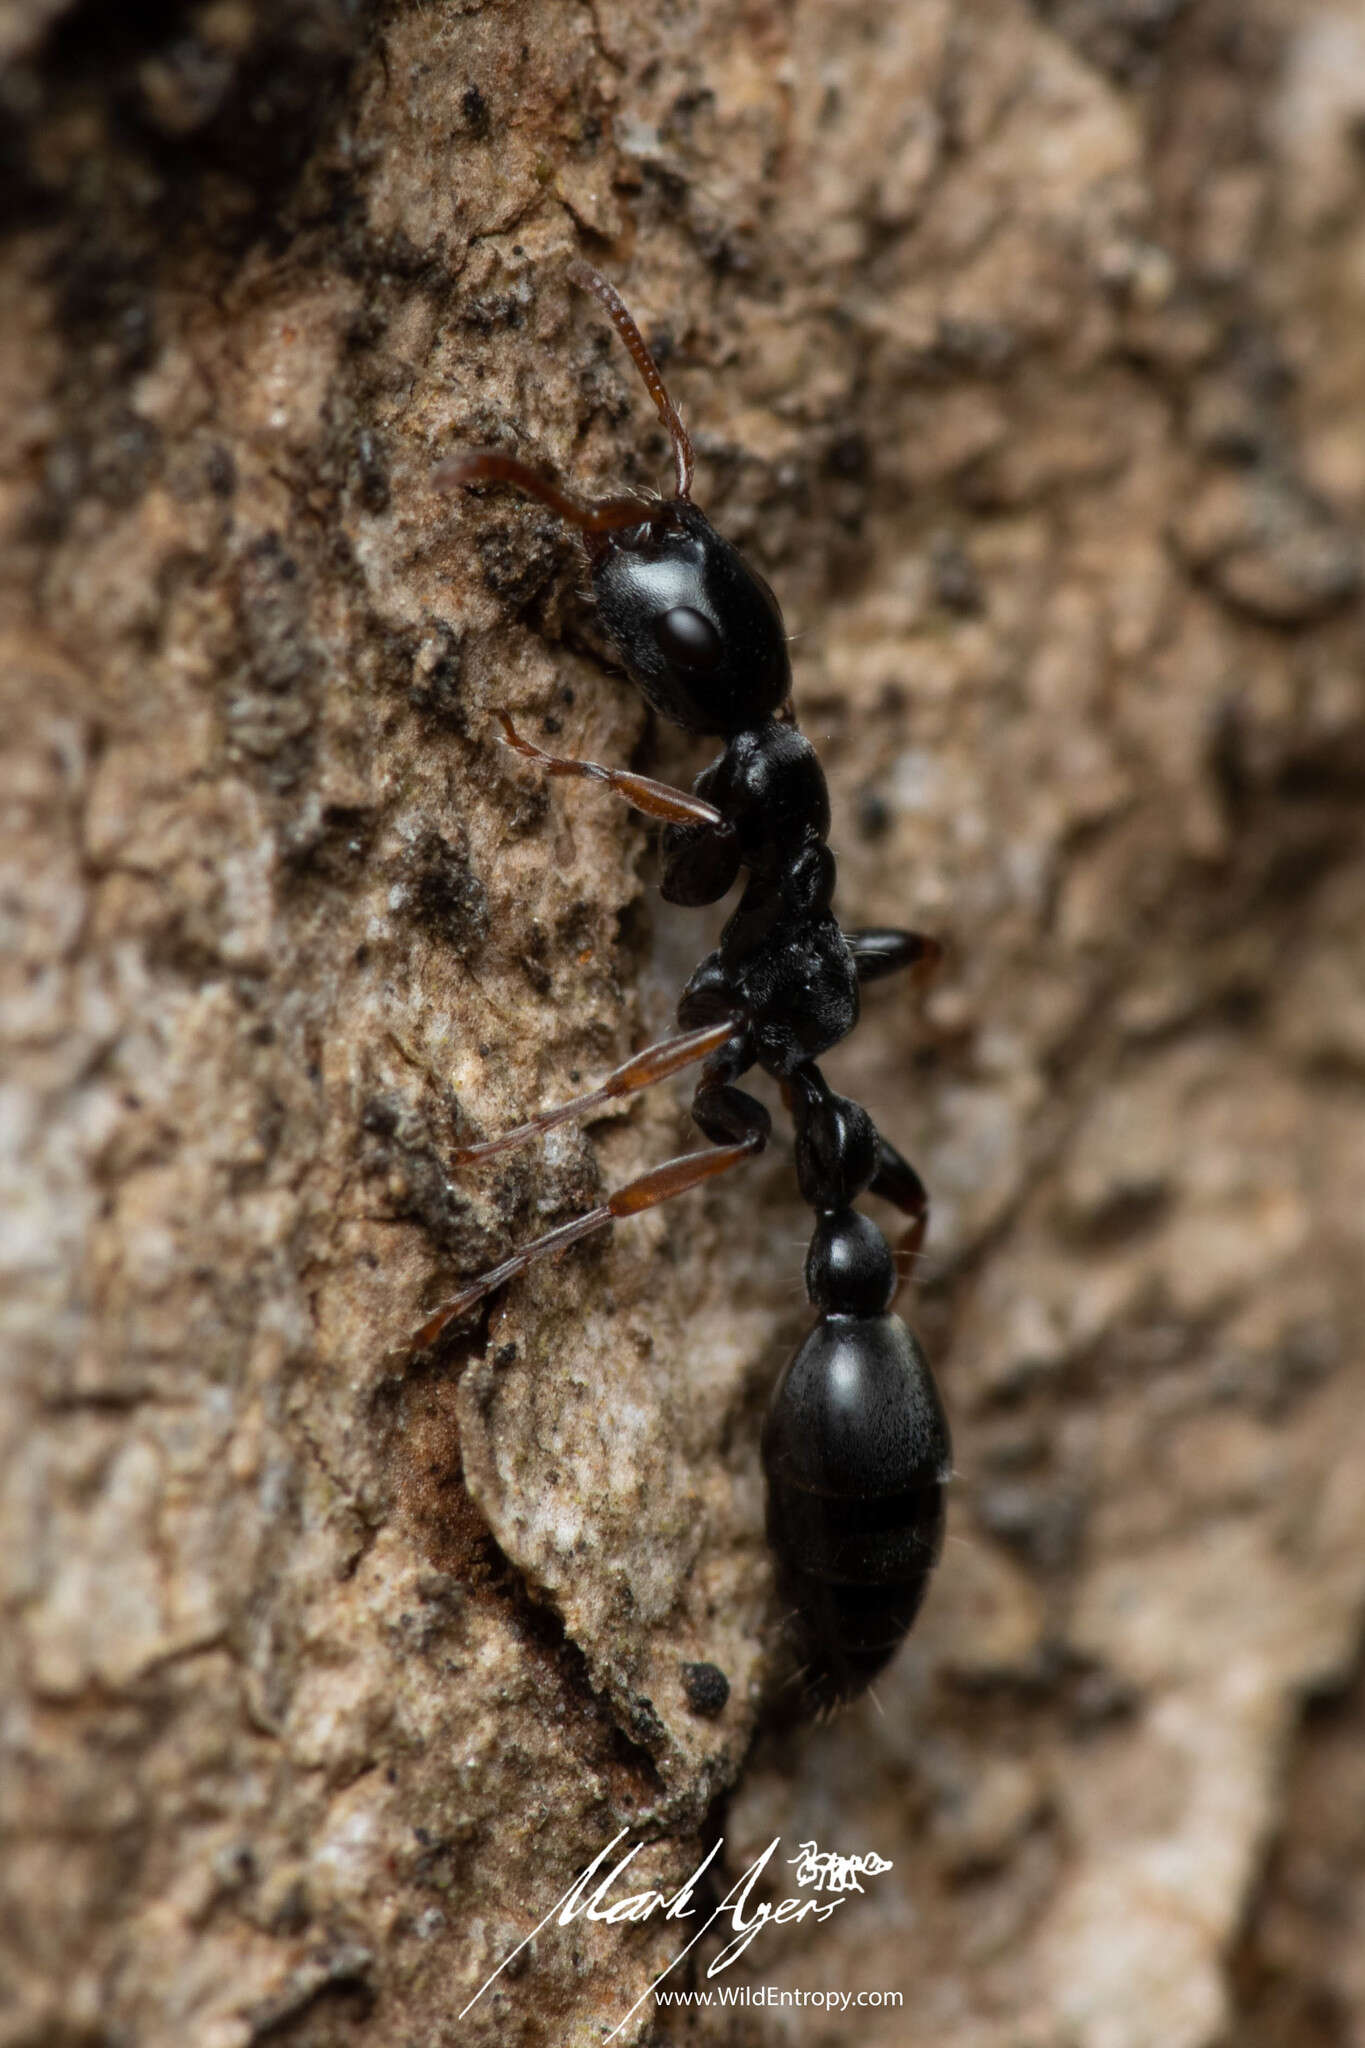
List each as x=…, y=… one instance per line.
x=855, y=1446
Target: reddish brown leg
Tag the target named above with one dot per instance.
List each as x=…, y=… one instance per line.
x=491, y=466
x=655, y=799
x=655, y=1063
x=675, y=1177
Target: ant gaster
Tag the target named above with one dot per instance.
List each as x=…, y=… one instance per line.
x=855, y=1446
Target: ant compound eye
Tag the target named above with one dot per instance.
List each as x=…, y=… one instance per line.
x=688, y=640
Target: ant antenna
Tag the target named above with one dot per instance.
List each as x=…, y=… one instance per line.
x=644, y=362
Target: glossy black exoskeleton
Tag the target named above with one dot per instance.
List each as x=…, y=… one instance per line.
x=855, y=1446
x=700, y=633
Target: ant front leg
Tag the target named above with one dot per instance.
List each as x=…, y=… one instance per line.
x=641, y=792
x=896, y=1181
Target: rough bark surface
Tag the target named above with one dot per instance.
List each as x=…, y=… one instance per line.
x=1023, y=350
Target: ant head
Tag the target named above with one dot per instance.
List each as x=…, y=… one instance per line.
x=700, y=633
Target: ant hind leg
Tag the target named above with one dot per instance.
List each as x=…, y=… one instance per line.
x=880, y=950
x=674, y=1177
x=727, y=1116
x=897, y=1182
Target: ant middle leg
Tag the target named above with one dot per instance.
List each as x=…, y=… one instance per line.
x=656, y=1063
x=641, y=792
x=880, y=950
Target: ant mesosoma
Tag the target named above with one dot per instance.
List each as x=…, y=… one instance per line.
x=855, y=1446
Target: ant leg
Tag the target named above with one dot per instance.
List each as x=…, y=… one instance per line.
x=491, y=466
x=896, y=1181
x=724, y=1113
x=655, y=1063
x=675, y=1177
x=728, y=1116
x=880, y=950
x=655, y=799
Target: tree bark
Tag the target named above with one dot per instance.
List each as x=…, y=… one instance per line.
x=1021, y=348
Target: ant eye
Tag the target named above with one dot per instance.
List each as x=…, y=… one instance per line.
x=688, y=639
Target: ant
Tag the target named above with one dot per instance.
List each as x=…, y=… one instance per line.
x=855, y=1446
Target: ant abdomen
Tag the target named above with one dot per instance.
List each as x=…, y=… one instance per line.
x=857, y=1455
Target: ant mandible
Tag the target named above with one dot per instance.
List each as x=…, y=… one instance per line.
x=855, y=1446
